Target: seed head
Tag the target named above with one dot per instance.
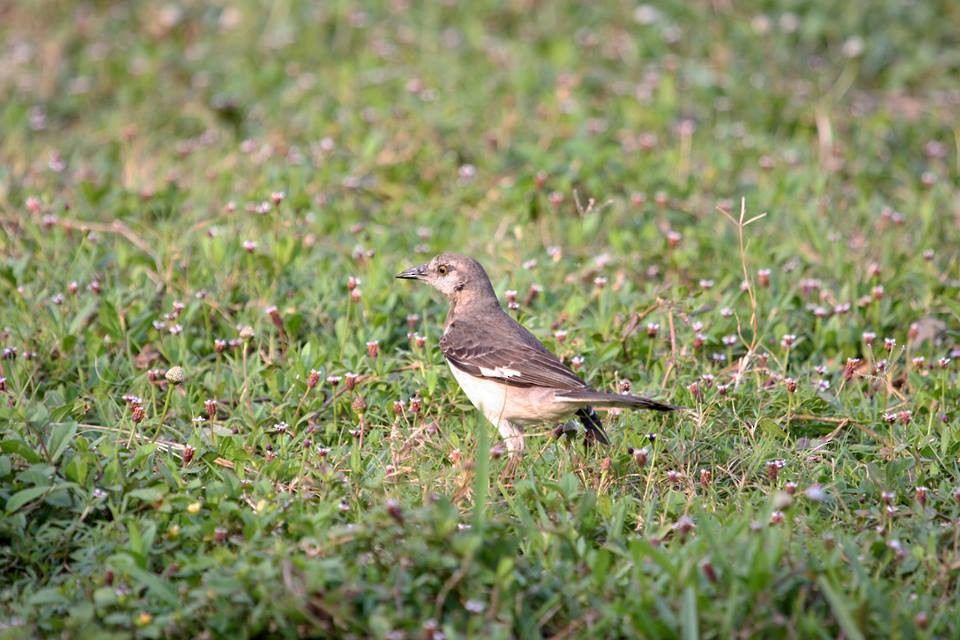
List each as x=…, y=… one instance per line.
x=359, y=405
x=175, y=375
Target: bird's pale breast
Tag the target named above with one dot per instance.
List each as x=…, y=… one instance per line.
x=518, y=405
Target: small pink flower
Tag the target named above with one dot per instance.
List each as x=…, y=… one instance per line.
x=416, y=405
x=763, y=277
x=350, y=379
x=639, y=455
x=913, y=331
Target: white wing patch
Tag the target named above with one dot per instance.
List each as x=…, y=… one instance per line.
x=499, y=372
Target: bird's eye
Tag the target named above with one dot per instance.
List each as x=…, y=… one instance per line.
x=442, y=269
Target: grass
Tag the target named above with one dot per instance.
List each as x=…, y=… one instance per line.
x=716, y=203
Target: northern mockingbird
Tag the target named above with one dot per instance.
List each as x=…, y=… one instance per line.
x=505, y=371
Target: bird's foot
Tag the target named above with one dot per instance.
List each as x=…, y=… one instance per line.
x=510, y=469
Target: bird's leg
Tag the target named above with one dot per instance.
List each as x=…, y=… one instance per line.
x=513, y=439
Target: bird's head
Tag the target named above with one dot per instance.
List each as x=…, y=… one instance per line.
x=457, y=277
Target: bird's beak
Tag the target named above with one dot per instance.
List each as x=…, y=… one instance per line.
x=413, y=273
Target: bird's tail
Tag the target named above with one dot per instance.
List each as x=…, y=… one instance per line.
x=604, y=399
x=594, y=428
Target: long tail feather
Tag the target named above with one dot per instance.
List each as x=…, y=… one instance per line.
x=604, y=399
x=594, y=428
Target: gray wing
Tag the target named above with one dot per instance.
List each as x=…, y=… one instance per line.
x=503, y=350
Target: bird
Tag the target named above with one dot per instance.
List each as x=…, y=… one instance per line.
x=504, y=370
